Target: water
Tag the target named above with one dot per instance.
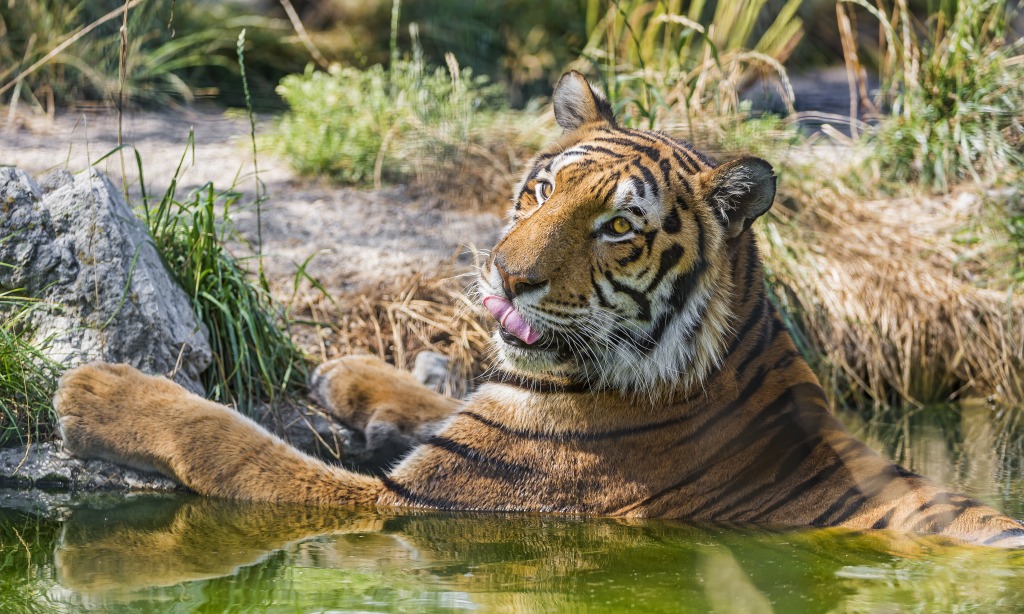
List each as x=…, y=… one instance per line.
x=182, y=553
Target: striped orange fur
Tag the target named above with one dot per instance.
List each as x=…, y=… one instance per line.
x=643, y=372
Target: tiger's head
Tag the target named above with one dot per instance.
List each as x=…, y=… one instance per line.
x=615, y=267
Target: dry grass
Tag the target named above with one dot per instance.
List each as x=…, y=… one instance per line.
x=874, y=290
x=396, y=320
x=490, y=163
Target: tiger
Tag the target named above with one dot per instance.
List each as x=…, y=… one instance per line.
x=642, y=371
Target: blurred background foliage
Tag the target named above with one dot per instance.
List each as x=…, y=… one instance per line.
x=184, y=48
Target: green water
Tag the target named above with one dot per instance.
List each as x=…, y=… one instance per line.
x=181, y=553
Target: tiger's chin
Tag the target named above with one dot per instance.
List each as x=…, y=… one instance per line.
x=539, y=359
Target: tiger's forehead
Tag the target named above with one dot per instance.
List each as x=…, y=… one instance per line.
x=621, y=167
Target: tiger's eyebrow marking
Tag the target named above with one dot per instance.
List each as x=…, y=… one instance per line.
x=637, y=211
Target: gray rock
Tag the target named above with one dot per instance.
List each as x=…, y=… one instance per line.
x=48, y=466
x=434, y=371
x=104, y=292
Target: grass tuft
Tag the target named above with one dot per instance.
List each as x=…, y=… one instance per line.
x=661, y=64
x=27, y=377
x=955, y=90
x=364, y=126
x=883, y=301
x=57, y=54
x=255, y=360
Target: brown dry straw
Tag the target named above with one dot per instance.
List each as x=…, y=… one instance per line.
x=396, y=320
x=873, y=287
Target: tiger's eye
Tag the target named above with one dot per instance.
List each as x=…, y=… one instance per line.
x=546, y=189
x=620, y=226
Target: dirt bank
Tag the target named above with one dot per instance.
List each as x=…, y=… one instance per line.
x=359, y=237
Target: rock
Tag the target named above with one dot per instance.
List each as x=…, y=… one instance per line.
x=48, y=466
x=434, y=371
x=106, y=294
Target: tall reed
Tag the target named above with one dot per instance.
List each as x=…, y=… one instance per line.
x=660, y=62
x=953, y=89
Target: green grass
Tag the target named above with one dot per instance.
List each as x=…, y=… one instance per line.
x=174, y=49
x=954, y=87
x=362, y=126
x=254, y=359
x=27, y=377
x=660, y=62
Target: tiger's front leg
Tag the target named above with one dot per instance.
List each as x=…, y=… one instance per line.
x=390, y=409
x=148, y=422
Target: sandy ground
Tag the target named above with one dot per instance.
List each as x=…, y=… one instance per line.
x=356, y=237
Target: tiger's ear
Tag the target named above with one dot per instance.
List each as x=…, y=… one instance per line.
x=740, y=192
x=578, y=103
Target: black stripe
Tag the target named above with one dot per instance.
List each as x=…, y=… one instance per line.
x=669, y=260
x=537, y=385
x=638, y=186
x=648, y=175
x=684, y=285
x=741, y=399
x=845, y=506
x=936, y=522
x=759, y=424
x=700, y=234
x=1008, y=533
x=492, y=467
x=577, y=436
x=685, y=161
x=756, y=316
x=681, y=203
x=613, y=185
x=753, y=267
x=646, y=150
x=691, y=150
x=666, y=171
x=884, y=521
x=638, y=211
x=726, y=453
x=672, y=223
x=684, y=182
x=417, y=499
x=801, y=447
x=865, y=491
x=633, y=255
x=942, y=498
x=782, y=439
x=602, y=300
x=764, y=339
x=681, y=289
x=533, y=174
x=677, y=145
x=645, y=135
x=808, y=485
x=599, y=149
x=639, y=297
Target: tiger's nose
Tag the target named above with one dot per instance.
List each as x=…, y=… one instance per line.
x=517, y=285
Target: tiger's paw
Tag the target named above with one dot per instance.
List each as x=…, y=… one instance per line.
x=117, y=413
x=386, y=406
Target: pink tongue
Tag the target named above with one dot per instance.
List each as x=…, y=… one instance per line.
x=510, y=319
